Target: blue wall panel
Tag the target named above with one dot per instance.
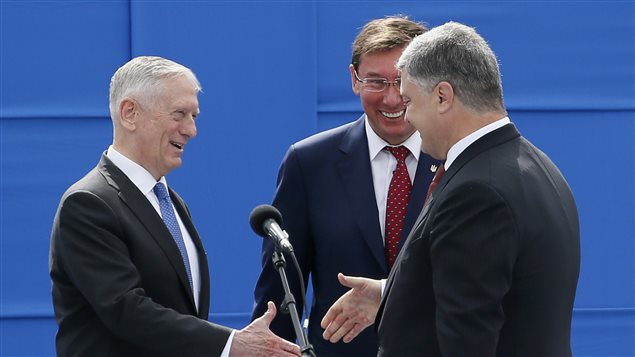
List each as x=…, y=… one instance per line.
x=274, y=72
x=58, y=56
x=553, y=55
x=40, y=158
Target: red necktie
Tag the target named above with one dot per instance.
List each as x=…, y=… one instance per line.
x=435, y=180
x=397, y=202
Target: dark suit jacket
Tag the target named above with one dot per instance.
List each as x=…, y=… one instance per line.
x=326, y=196
x=492, y=265
x=119, y=283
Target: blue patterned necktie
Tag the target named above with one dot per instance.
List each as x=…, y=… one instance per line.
x=167, y=213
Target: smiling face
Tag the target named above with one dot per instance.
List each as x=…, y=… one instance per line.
x=162, y=130
x=385, y=110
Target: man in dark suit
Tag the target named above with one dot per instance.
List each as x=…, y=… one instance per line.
x=129, y=270
x=491, y=266
x=333, y=190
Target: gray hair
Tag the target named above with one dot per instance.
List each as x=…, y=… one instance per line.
x=141, y=78
x=457, y=54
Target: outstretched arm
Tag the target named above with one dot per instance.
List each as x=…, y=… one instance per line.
x=353, y=311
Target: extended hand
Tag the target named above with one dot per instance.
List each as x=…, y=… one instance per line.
x=353, y=311
x=257, y=340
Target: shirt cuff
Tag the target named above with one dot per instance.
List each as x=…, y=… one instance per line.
x=228, y=345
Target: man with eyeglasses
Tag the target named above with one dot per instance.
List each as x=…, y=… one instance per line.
x=350, y=195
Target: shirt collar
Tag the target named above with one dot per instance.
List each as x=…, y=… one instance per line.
x=462, y=144
x=139, y=176
x=377, y=144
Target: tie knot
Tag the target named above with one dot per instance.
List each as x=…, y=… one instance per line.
x=160, y=191
x=399, y=152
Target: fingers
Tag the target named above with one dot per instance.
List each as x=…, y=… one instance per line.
x=290, y=348
x=353, y=311
x=337, y=310
x=336, y=332
x=330, y=315
x=353, y=333
x=256, y=340
x=344, y=326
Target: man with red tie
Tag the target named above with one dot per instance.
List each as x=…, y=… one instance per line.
x=349, y=195
x=492, y=263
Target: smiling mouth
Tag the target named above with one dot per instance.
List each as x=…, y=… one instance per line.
x=177, y=145
x=393, y=115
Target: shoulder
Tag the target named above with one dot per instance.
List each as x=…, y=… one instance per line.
x=326, y=147
x=326, y=139
x=102, y=183
x=93, y=182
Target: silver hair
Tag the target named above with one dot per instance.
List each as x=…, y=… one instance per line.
x=457, y=54
x=141, y=78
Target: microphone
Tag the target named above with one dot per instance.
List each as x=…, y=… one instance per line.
x=265, y=220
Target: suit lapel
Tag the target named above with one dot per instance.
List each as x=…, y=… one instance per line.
x=184, y=213
x=148, y=217
x=356, y=174
x=423, y=177
x=416, y=229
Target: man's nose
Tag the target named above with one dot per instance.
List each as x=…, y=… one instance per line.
x=189, y=127
x=392, y=96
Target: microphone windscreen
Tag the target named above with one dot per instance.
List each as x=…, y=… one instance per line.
x=262, y=213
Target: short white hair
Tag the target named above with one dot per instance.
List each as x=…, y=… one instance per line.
x=140, y=78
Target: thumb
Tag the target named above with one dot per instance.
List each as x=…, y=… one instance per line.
x=270, y=314
x=350, y=281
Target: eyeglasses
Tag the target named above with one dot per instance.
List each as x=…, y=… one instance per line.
x=376, y=84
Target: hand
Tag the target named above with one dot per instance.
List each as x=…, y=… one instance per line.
x=353, y=311
x=257, y=340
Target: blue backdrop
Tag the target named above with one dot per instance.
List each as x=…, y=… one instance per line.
x=274, y=72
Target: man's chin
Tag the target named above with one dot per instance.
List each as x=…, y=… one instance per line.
x=173, y=164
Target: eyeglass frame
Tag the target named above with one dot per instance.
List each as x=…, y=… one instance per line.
x=385, y=82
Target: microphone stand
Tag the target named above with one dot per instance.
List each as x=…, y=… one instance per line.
x=289, y=306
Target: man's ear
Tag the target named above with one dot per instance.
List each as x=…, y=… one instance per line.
x=128, y=112
x=445, y=96
x=354, y=82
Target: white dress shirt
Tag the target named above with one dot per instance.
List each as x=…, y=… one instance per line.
x=462, y=144
x=383, y=163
